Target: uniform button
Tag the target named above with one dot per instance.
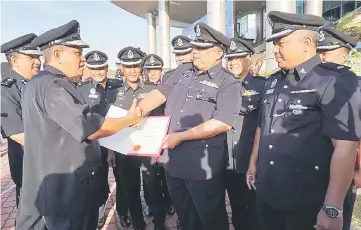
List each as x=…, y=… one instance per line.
x=182, y=111
x=317, y=168
x=186, y=99
x=279, y=100
x=93, y=173
x=249, y=99
x=285, y=86
x=206, y=146
x=234, y=131
x=177, y=123
x=106, y=99
x=190, y=87
x=211, y=73
x=270, y=146
x=272, y=130
x=110, y=86
x=180, y=81
x=264, y=101
x=133, y=95
x=271, y=162
x=235, y=142
x=202, y=90
x=92, y=100
x=298, y=101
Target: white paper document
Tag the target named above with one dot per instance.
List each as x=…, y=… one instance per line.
x=145, y=140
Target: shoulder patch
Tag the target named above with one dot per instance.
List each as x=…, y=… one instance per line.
x=8, y=82
x=333, y=66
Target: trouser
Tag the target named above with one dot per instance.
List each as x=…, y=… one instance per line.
x=29, y=222
x=348, y=208
x=152, y=187
x=242, y=201
x=275, y=219
x=15, y=155
x=164, y=187
x=199, y=203
x=87, y=221
x=104, y=156
x=127, y=174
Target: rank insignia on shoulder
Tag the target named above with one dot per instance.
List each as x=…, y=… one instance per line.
x=141, y=95
x=303, y=91
x=8, y=82
x=250, y=93
x=210, y=84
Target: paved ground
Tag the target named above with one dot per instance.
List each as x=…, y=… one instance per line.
x=8, y=203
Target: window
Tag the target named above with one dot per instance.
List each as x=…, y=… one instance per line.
x=243, y=23
x=300, y=5
x=348, y=6
x=332, y=15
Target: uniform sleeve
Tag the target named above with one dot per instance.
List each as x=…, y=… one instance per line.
x=11, y=119
x=340, y=107
x=166, y=86
x=75, y=118
x=228, y=103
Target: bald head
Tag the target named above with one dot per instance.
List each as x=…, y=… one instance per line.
x=338, y=56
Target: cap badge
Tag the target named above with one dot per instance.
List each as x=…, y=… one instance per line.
x=78, y=30
x=233, y=46
x=274, y=83
x=96, y=57
x=179, y=42
x=270, y=22
x=321, y=36
x=198, y=31
x=151, y=60
x=130, y=54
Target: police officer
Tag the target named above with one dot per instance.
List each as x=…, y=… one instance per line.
x=128, y=167
x=308, y=131
x=335, y=46
x=182, y=49
x=203, y=101
x=62, y=172
x=99, y=93
x=24, y=62
x=240, y=139
x=154, y=66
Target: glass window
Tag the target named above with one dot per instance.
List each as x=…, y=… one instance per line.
x=300, y=5
x=348, y=6
x=358, y=3
x=332, y=15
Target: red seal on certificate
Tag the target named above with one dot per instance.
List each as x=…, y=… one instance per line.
x=136, y=147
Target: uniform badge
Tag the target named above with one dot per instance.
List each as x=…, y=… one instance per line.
x=274, y=83
x=269, y=91
x=96, y=57
x=141, y=95
x=121, y=93
x=78, y=30
x=303, y=70
x=179, y=42
x=233, y=46
x=92, y=93
x=210, y=84
x=297, y=111
x=151, y=60
x=198, y=31
x=130, y=54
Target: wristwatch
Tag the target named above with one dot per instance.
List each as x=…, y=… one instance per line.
x=332, y=211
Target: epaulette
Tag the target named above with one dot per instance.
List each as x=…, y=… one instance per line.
x=335, y=67
x=87, y=81
x=8, y=82
x=115, y=83
x=260, y=77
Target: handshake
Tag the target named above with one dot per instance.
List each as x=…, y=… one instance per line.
x=135, y=114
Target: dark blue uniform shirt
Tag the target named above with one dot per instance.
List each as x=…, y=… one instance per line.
x=192, y=99
x=301, y=112
x=240, y=139
x=61, y=166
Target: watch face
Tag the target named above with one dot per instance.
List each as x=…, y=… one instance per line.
x=332, y=212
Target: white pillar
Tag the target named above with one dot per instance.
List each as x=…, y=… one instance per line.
x=282, y=5
x=151, y=32
x=259, y=25
x=164, y=32
x=216, y=15
x=314, y=7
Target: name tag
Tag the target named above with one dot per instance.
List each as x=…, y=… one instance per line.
x=270, y=91
x=93, y=96
x=210, y=84
x=303, y=91
x=250, y=93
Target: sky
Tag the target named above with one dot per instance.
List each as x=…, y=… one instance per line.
x=103, y=25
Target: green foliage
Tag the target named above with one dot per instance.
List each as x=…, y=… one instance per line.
x=265, y=73
x=351, y=25
x=354, y=62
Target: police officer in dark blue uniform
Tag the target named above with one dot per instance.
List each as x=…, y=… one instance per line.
x=308, y=132
x=182, y=49
x=128, y=167
x=240, y=139
x=203, y=101
x=335, y=46
x=24, y=62
x=99, y=93
x=62, y=172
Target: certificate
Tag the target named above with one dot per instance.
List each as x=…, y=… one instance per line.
x=145, y=140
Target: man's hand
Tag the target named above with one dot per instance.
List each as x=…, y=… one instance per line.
x=251, y=176
x=111, y=158
x=357, y=178
x=132, y=113
x=172, y=140
x=324, y=222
